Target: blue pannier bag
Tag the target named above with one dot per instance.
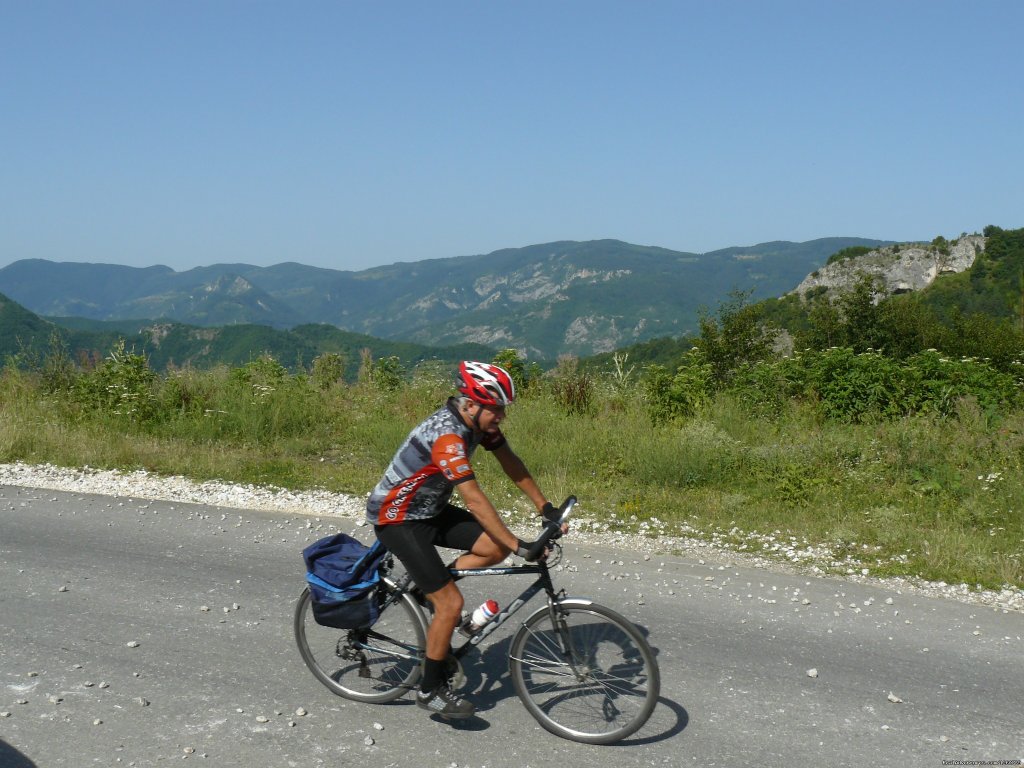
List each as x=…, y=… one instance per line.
x=343, y=575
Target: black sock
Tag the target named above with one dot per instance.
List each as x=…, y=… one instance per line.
x=433, y=674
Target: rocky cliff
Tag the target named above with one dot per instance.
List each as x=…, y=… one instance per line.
x=899, y=268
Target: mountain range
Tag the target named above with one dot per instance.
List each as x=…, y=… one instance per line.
x=546, y=300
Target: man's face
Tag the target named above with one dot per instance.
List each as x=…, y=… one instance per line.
x=491, y=417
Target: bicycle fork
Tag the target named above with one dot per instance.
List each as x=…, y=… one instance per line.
x=582, y=671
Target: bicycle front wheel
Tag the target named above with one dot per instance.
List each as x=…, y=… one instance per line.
x=373, y=665
x=584, y=672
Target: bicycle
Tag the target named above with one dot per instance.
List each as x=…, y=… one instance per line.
x=583, y=671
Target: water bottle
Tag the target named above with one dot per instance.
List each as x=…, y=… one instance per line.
x=487, y=611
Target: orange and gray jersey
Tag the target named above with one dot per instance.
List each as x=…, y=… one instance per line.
x=430, y=463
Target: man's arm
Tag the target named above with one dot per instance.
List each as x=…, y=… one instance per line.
x=520, y=475
x=481, y=508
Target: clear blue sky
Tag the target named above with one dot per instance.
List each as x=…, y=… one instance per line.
x=352, y=134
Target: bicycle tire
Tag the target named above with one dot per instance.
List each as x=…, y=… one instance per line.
x=373, y=666
x=604, y=691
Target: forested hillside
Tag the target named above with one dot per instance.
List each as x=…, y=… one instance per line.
x=545, y=300
x=28, y=339
x=975, y=313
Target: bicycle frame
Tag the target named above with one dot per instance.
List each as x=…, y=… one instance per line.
x=543, y=582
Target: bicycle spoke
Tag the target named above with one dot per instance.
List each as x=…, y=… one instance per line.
x=598, y=692
x=374, y=665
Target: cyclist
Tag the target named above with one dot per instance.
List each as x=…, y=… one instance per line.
x=411, y=512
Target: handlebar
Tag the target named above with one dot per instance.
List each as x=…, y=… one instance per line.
x=552, y=529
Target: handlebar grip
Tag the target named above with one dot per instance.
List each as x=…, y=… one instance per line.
x=551, y=531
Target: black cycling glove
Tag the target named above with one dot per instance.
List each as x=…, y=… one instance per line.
x=528, y=550
x=550, y=513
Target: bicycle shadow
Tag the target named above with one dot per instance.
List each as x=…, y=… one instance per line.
x=12, y=758
x=488, y=682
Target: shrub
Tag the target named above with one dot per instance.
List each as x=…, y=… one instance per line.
x=733, y=339
x=683, y=393
x=936, y=384
x=328, y=370
x=386, y=374
x=523, y=374
x=122, y=385
x=573, y=389
x=58, y=373
x=184, y=392
x=848, y=253
x=851, y=387
x=263, y=375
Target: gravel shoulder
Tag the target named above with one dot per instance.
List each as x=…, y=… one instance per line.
x=324, y=504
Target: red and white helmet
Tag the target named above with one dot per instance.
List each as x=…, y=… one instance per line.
x=485, y=383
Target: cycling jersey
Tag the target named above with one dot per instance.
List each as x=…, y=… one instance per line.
x=434, y=458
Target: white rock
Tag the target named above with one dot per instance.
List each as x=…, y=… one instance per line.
x=133, y=643
x=812, y=672
x=894, y=698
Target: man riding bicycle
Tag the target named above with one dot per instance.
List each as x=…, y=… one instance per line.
x=411, y=512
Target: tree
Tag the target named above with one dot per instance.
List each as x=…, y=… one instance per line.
x=826, y=326
x=860, y=314
x=906, y=326
x=735, y=338
x=523, y=374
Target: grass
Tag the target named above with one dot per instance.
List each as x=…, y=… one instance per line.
x=935, y=497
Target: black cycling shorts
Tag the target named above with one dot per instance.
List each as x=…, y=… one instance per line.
x=413, y=542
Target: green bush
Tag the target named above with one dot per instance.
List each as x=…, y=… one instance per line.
x=681, y=394
x=328, y=370
x=572, y=388
x=848, y=253
x=850, y=387
x=524, y=375
x=387, y=374
x=734, y=338
x=123, y=385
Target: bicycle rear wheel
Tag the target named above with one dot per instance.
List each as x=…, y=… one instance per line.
x=589, y=676
x=374, y=665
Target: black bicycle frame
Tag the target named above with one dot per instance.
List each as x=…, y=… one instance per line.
x=543, y=583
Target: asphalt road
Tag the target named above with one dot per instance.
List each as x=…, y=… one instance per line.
x=141, y=633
